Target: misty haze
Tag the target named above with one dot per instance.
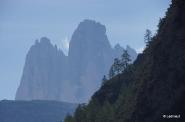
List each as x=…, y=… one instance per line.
x=92, y=60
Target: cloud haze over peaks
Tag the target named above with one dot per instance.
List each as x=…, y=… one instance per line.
x=23, y=21
x=65, y=45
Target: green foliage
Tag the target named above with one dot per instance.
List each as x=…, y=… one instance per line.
x=111, y=72
x=80, y=113
x=119, y=65
x=125, y=60
x=106, y=113
x=116, y=66
x=69, y=118
x=153, y=85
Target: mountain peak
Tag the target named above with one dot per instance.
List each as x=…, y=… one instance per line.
x=42, y=41
x=89, y=36
x=50, y=75
x=89, y=28
x=45, y=40
x=91, y=24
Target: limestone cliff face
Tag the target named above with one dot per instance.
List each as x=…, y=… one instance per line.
x=90, y=57
x=43, y=72
x=50, y=75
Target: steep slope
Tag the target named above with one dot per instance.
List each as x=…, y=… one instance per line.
x=132, y=53
x=34, y=111
x=43, y=72
x=117, y=50
x=90, y=56
x=163, y=87
x=50, y=75
x=150, y=88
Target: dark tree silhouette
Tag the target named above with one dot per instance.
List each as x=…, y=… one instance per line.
x=125, y=60
x=111, y=72
x=104, y=80
x=117, y=67
x=148, y=37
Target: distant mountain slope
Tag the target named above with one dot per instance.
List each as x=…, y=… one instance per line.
x=34, y=111
x=153, y=88
x=43, y=72
x=50, y=75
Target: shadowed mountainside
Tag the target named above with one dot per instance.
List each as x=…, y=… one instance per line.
x=150, y=88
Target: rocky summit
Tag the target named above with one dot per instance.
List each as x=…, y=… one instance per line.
x=50, y=75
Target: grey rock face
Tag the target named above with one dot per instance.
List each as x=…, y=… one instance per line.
x=43, y=72
x=132, y=53
x=89, y=56
x=50, y=75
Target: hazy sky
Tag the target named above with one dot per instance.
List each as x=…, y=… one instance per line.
x=24, y=21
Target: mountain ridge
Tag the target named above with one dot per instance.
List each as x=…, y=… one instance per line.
x=50, y=75
x=34, y=111
x=152, y=88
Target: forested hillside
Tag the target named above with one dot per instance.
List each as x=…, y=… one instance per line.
x=153, y=86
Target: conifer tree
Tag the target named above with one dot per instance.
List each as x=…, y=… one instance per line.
x=125, y=60
x=111, y=72
x=148, y=37
x=104, y=80
x=116, y=65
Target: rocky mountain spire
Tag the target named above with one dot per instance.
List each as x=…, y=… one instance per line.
x=49, y=74
x=42, y=72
